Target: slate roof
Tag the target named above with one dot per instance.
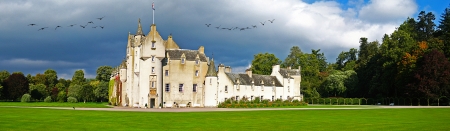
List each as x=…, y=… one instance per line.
x=190, y=55
x=287, y=73
x=244, y=79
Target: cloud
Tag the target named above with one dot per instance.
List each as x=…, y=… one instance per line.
x=384, y=11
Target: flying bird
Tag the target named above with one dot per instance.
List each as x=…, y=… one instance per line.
x=42, y=28
x=71, y=25
x=90, y=22
x=207, y=25
x=242, y=29
x=82, y=26
x=102, y=27
x=57, y=27
x=254, y=26
x=101, y=18
x=31, y=24
x=94, y=27
x=271, y=21
x=262, y=23
x=218, y=26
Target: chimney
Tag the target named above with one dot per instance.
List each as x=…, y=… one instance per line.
x=227, y=69
x=249, y=72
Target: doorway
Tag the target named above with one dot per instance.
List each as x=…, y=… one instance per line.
x=152, y=102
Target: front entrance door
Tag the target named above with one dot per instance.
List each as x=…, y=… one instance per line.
x=152, y=102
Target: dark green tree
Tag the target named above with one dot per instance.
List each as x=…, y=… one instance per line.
x=262, y=63
x=78, y=78
x=52, y=77
x=103, y=73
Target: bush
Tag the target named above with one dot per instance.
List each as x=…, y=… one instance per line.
x=48, y=99
x=72, y=100
x=26, y=98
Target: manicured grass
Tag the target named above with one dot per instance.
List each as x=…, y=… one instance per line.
x=329, y=120
x=57, y=104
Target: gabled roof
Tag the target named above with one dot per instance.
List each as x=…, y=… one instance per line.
x=258, y=80
x=287, y=73
x=190, y=55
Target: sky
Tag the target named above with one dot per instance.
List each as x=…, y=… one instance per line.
x=332, y=26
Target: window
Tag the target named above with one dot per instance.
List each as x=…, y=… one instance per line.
x=153, y=69
x=196, y=72
x=261, y=98
x=273, y=97
x=210, y=81
x=180, y=88
x=251, y=98
x=289, y=90
x=194, y=88
x=226, y=88
x=167, y=88
x=153, y=45
x=153, y=84
x=197, y=62
x=166, y=73
x=237, y=98
x=153, y=58
x=281, y=97
x=182, y=60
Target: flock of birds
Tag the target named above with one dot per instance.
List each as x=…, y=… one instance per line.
x=72, y=25
x=241, y=28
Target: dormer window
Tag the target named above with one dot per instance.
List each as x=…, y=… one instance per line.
x=197, y=62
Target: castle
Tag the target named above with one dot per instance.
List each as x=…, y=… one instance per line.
x=157, y=73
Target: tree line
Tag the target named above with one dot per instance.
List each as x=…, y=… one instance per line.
x=40, y=86
x=412, y=62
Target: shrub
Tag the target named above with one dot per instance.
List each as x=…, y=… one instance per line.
x=72, y=100
x=26, y=98
x=48, y=99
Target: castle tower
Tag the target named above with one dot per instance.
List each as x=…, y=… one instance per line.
x=211, y=86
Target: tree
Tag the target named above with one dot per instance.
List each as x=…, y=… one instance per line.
x=40, y=79
x=74, y=91
x=3, y=75
x=432, y=78
x=38, y=91
x=101, y=92
x=444, y=31
x=51, y=77
x=425, y=26
x=86, y=92
x=262, y=63
x=78, y=78
x=321, y=59
x=340, y=81
x=15, y=86
x=103, y=73
x=293, y=59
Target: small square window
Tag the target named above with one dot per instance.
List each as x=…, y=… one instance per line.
x=167, y=88
x=153, y=69
x=180, y=88
x=194, y=88
x=166, y=72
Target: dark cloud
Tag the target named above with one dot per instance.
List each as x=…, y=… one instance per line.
x=315, y=25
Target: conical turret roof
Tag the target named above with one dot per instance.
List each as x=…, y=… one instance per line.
x=139, y=30
x=211, y=69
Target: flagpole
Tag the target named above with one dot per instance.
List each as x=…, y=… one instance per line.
x=153, y=8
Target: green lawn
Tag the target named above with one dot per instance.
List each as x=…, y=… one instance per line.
x=57, y=104
x=328, y=120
